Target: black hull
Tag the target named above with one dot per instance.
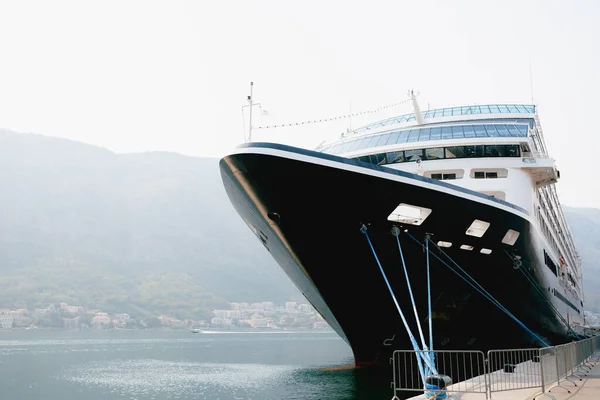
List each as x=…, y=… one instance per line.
x=308, y=215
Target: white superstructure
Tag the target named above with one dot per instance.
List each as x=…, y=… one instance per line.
x=497, y=150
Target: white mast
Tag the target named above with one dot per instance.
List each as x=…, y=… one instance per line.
x=251, y=104
x=415, y=104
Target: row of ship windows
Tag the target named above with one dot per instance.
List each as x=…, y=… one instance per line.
x=426, y=134
x=553, y=267
x=459, y=173
x=411, y=117
x=440, y=153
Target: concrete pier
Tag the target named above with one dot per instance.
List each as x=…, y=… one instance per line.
x=587, y=389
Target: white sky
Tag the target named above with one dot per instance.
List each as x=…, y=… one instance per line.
x=172, y=75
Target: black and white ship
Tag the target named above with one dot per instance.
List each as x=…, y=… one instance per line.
x=477, y=179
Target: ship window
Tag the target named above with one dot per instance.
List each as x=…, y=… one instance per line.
x=445, y=175
x=466, y=247
x=491, y=173
x=469, y=132
x=394, y=157
x=502, y=131
x=550, y=264
x=403, y=137
x=394, y=138
x=491, y=151
x=413, y=136
x=373, y=141
x=383, y=140
x=491, y=130
x=457, y=132
x=424, y=135
x=362, y=143
x=510, y=237
x=377, y=159
x=455, y=152
x=480, y=131
x=434, y=154
x=436, y=133
x=355, y=145
x=441, y=243
x=446, y=132
x=409, y=214
x=486, y=251
x=414, y=155
x=478, y=228
x=474, y=151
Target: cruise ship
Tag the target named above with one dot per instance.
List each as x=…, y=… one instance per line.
x=476, y=183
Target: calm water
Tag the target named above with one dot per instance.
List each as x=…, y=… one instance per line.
x=159, y=365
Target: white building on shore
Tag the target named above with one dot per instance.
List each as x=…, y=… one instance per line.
x=6, y=321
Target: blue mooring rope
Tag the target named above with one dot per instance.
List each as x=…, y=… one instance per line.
x=419, y=353
x=479, y=288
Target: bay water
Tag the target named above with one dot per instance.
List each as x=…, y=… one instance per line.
x=178, y=364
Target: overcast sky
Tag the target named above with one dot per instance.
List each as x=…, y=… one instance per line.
x=172, y=75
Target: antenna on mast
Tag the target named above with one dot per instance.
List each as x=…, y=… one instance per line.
x=251, y=104
x=530, y=81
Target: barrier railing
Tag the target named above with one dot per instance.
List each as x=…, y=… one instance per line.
x=514, y=369
x=465, y=369
x=458, y=371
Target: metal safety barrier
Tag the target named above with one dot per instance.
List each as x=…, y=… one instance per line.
x=466, y=370
x=514, y=369
x=548, y=368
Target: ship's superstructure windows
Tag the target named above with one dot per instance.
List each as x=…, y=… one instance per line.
x=454, y=112
x=437, y=153
x=409, y=214
x=550, y=264
x=424, y=134
x=445, y=174
x=489, y=173
x=478, y=228
x=443, y=177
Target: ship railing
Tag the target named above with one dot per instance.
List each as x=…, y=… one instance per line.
x=532, y=154
x=471, y=371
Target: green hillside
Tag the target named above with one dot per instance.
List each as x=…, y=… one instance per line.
x=148, y=232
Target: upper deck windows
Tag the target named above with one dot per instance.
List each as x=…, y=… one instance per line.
x=438, y=153
x=424, y=134
x=453, y=112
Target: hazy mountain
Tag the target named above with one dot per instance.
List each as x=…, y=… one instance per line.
x=145, y=232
